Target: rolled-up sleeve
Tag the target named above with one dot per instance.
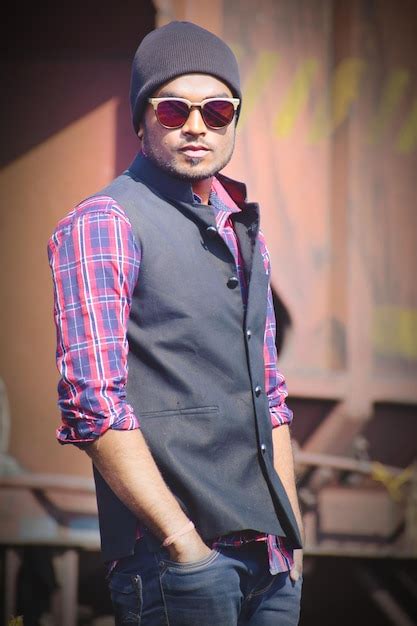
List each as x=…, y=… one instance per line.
x=94, y=259
x=275, y=384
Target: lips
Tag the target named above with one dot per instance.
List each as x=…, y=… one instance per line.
x=195, y=151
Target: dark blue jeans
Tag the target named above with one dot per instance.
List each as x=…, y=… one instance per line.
x=230, y=587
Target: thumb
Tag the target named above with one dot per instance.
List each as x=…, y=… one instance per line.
x=294, y=574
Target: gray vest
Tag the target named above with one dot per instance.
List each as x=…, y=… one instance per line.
x=196, y=369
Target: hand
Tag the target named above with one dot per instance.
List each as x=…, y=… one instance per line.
x=188, y=548
x=297, y=568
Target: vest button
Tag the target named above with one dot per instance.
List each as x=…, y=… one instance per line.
x=258, y=391
x=263, y=448
x=249, y=333
x=211, y=231
x=233, y=282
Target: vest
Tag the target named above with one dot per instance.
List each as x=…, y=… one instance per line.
x=196, y=369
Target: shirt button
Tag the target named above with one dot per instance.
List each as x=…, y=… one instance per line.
x=258, y=391
x=263, y=448
x=233, y=282
x=211, y=231
x=248, y=333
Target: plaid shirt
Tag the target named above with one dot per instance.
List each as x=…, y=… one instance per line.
x=95, y=262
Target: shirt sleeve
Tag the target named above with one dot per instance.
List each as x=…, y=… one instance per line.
x=275, y=384
x=94, y=259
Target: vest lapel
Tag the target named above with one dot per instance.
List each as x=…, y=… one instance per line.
x=201, y=214
x=246, y=225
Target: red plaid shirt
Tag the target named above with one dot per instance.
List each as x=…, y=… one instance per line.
x=95, y=263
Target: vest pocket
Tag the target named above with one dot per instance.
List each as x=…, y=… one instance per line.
x=179, y=438
x=197, y=410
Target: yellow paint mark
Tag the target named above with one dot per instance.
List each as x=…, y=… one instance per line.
x=296, y=98
x=344, y=90
x=391, y=97
x=394, y=483
x=395, y=331
x=407, y=137
x=260, y=74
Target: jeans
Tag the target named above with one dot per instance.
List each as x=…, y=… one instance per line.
x=232, y=586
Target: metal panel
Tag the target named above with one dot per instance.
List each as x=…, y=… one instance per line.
x=327, y=143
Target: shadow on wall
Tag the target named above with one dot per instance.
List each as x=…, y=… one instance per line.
x=41, y=55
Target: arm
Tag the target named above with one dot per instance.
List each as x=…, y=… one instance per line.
x=95, y=263
x=281, y=415
x=284, y=466
x=125, y=462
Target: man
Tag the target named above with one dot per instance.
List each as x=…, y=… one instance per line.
x=165, y=273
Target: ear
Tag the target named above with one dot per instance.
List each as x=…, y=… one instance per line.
x=140, y=131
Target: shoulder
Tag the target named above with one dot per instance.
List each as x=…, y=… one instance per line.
x=98, y=211
x=93, y=208
x=95, y=217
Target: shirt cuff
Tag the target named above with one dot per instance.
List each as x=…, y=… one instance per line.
x=81, y=431
x=280, y=415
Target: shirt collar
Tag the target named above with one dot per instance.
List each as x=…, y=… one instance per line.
x=221, y=199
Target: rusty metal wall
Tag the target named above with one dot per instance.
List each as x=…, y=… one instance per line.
x=328, y=144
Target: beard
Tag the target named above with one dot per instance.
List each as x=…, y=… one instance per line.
x=191, y=169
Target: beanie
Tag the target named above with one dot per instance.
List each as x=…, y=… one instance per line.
x=175, y=49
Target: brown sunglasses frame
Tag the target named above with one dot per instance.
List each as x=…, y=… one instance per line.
x=155, y=101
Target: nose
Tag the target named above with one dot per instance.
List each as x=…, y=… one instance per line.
x=195, y=123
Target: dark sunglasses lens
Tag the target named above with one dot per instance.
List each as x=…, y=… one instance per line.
x=172, y=113
x=218, y=113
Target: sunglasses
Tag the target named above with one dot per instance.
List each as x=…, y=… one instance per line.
x=174, y=112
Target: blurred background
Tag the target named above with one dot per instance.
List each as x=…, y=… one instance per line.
x=327, y=144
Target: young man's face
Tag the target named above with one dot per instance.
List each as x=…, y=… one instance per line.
x=194, y=151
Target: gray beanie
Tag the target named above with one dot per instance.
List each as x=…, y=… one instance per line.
x=175, y=49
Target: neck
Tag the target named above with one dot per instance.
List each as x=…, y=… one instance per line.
x=202, y=188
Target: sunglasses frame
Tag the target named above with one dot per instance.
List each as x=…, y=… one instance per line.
x=155, y=101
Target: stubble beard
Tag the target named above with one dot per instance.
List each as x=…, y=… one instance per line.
x=185, y=172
